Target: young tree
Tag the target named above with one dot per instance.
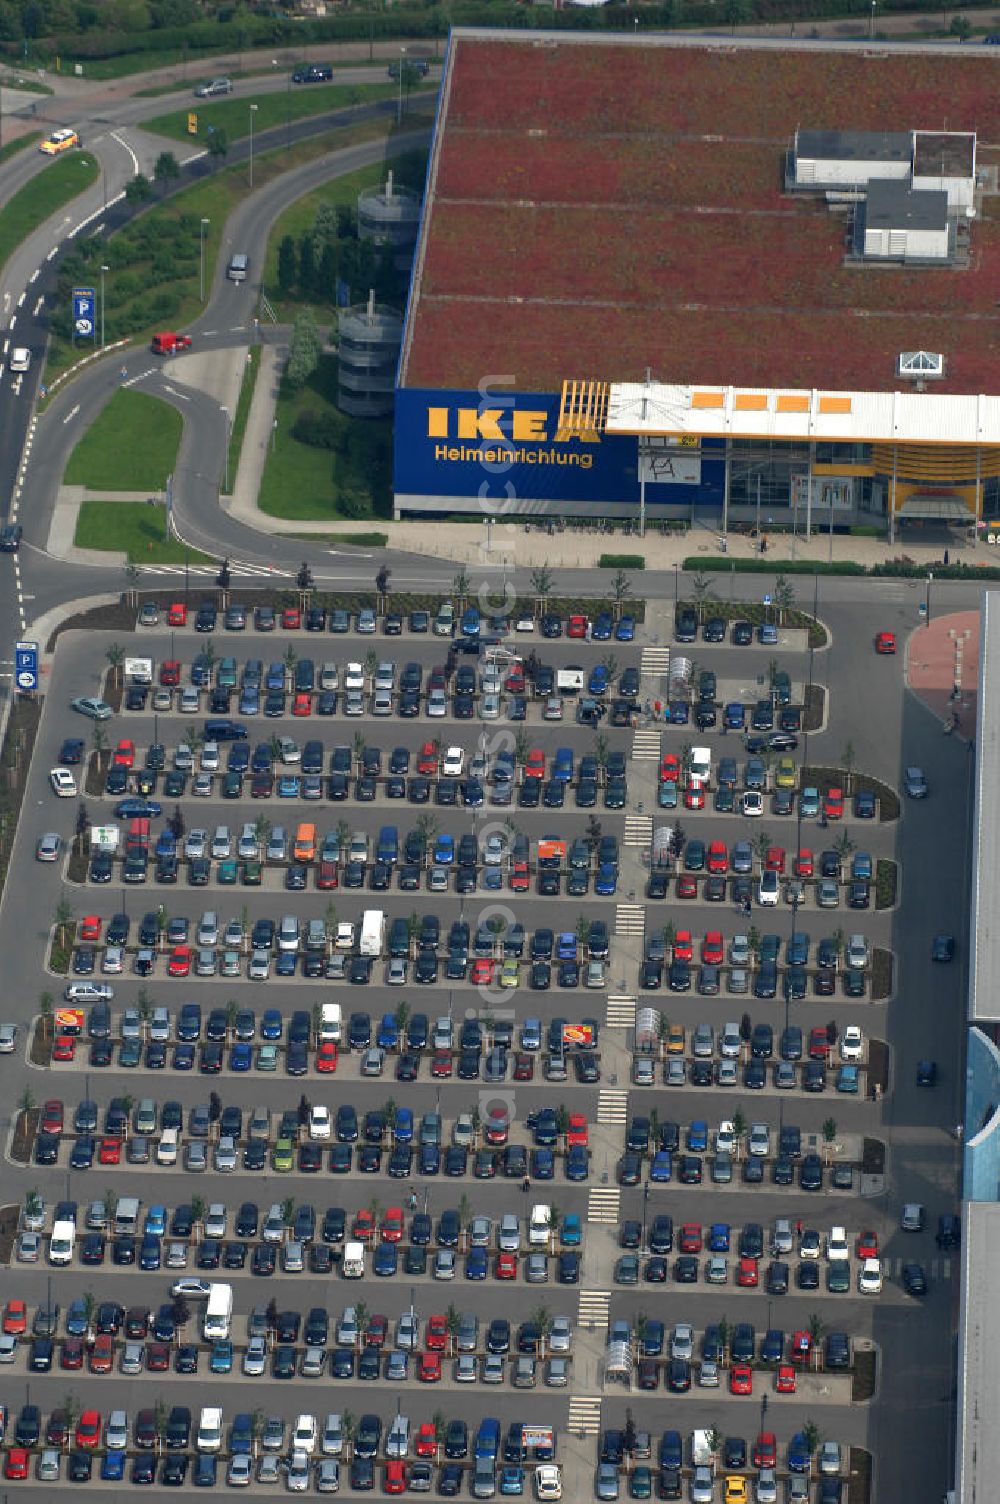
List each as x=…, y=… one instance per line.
x=541, y=584
x=166, y=169
x=784, y=596
x=218, y=145
x=461, y=585
x=848, y=759
x=304, y=350
x=138, y=189
x=46, y=1004
x=115, y=654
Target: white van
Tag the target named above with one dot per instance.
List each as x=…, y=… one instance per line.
x=62, y=1243
x=353, y=1263
x=538, y=1225
x=330, y=1023
x=238, y=267
x=209, y=1437
x=218, y=1312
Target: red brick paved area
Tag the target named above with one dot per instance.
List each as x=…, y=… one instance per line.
x=941, y=656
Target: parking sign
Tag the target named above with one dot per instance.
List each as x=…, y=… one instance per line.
x=26, y=665
x=83, y=312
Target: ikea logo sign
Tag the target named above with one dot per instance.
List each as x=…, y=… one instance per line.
x=501, y=435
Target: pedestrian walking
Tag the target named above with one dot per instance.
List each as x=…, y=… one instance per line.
x=525, y=1184
x=798, y=1228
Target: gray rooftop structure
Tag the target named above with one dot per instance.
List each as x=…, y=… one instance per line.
x=855, y=146
x=893, y=205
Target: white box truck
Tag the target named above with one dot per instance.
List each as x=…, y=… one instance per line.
x=218, y=1313
x=62, y=1243
x=372, y=932
x=353, y=1263
x=330, y=1023
x=701, y=767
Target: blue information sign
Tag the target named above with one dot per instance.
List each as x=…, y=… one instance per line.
x=26, y=665
x=84, y=309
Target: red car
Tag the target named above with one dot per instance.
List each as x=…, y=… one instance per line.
x=712, y=948
x=124, y=754
x=425, y=1441
x=694, y=798
x=15, y=1318
x=363, y=1226
x=377, y=1330
x=442, y=1065
x=16, y=1465
x=784, y=1379
x=577, y=1132
x=687, y=885
x=482, y=971
x=833, y=804
x=741, y=1379
x=327, y=876
x=392, y=1225
x=88, y=1429
x=746, y=1273
x=718, y=856
x=427, y=759
x=765, y=1450
x=670, y=768
x=179, y=964
x=109, y=1151
x=866, y=1247
x=576, y=626
x=429, y=1371
x=177, y=615
x=170, y=673
x=774, y=861
x=52, y=1116
x=157, y=1357
x=514, y=682
x=801, y=1347
x=534, y=765
x=885, y=642
x=436, y=1335
x=395, y=1476
x=326, y=1057
x=524, y=1066
x=505, y=1266
x=804, y=864
x=302, y=704
x=71, y=1356
x=291, y=619
x=520, y=878
x=689, y=1239
x=819, y=1043
x=683, y=946
x=90, y=927
x=64, y=1047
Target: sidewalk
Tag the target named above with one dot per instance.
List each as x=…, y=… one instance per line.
x=943, y=657
x=242, y=504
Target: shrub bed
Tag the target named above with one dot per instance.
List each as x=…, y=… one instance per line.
x=886, y=878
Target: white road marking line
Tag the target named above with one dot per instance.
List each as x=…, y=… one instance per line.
x=71, y=415
x=20, y=301
x=38, y=307
x=54, y=252
x=34, y=276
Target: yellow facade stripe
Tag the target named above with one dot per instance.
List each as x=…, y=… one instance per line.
x=754, y=402
x=793, y=404
x=708, y=399
x=835, y=404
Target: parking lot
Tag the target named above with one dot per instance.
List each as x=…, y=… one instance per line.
x=505, y=997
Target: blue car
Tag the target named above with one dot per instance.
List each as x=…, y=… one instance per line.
x=697, y=1136
x=571, y=1232
x=799, y=1455
x=149, y=1253
x=847, y=1079
x=76, y=1319
x=602, y=627
x=597, y=684
x=285, y=964
x=289, y=786
x=113, y=1467
x=404, y=1125
x=471, y=622
x=625, y=630
x=250, y=702
x=155, y=1223
x=606, y=881
x=767, y=634
x=386, y=1260
x=270, y=1024
x=444, y=851
x=562, y=765
x=661, y=1167
x=275, y=676
x=205, y=1469
x=576, y=1164
x=735, y=716
x=221, y=1360
x=387, y=1037
x=511, y=1479
x=476, y=1263
x=430, y=1159
x=492, y=879
x=718, y=1238
x=543, y=1164
x=241, y=1057
x=678, y=712
x=137, y=809
x=184, y=1057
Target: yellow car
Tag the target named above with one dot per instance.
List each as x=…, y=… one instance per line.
x=282, y=1156
x=784, y=774
x=510, y=973
x=676, y=1039
x=59, y=141
x=735, y=1490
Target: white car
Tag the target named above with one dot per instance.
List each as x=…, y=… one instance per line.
x=870, y=1277
x=222, y=843
x=305, y=1434
x=191, y=1288
x=739, y=950
x=354, y=676
x=289, y=751
x=255, y=1358
x=319, y=1121
x=857, y=952
x=548, y=1481
x=725, y=1137
x=345, y=936
x=682, y=1341
x=20, y=358
x=852, y=1043
x=759, y=1141
x=196, y=844
x=240, y=1471
x=297, y=1477
x=8, y=1038
x=437, y=703
x=444, y=1264
x=113, y=960
x=453, y=764
x=753, y=806
x=210, y=759
x=767, y=890
x=766, y=1487
x=829, y=1458
x=837, y=1248
x=63, y=783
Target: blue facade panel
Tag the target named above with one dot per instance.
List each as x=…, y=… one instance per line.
x=982, y=1119
x=505, y=447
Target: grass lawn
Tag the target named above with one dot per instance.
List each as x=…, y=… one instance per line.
x=247, y=386
x=215, y=198
x=134, y=528
x=31, y=205
x=233, y=115
x=298, y=480
x=11, y=148
x=132, y=446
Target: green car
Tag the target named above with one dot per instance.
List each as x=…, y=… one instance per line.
x=640, y=1484
x=415, y=1260
x=809, y=803
x=838, y=1277
x=227, y=873
x=725, y=801
x=232, y=786
x=283, y=1156
x=267, y=1057
x=252, y=874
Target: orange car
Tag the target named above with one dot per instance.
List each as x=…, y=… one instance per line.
x=577, y=1132
x=124, y=754
x=15, y=1318
x=833, y=804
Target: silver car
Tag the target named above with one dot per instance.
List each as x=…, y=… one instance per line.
x=643, y=1071
x=327, y=1476
x=255, y=1358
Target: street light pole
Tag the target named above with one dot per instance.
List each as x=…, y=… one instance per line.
x=253, y=111
x=201, y=255
x=927, y=609
x=103, y=270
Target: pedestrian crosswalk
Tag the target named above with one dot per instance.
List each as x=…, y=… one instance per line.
x=209, y=571
x=630, y=919
x=645, y=744
x=638, y=830
x=654, y=660
x=936, y=1268
x=585, y=1413
x=621, y=1012
x=612, y=1107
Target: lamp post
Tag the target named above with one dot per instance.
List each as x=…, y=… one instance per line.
x=103, y=270
x=927, y=605
x=871, y=32
x=253, y=111
x=402, y=63
x=201, y=256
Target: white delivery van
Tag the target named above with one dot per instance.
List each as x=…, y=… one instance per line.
x=538, y=1225
x=353, y=1263
x=218, y=1312
x=330, y=1023
x=372, y=932
x=62, y=1242
x=127, y=1215
x=701, y=767
x=210, y=1429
